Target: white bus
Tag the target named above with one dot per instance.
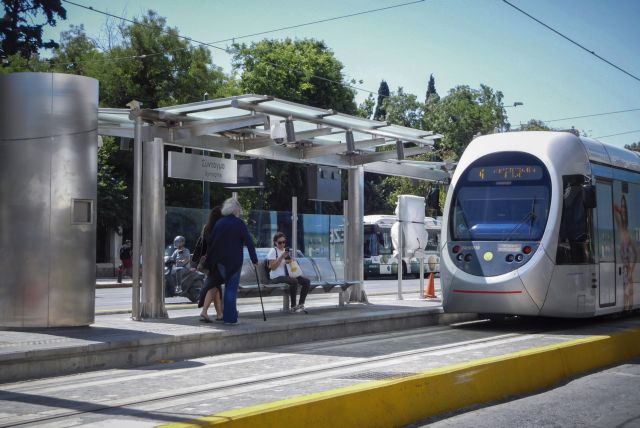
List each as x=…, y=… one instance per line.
x=378, y=248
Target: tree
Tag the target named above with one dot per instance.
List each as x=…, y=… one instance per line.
x=431, y=91
x=365, y=109
x=464, y=113
x=404, y=109
x=301, y=71
x=21, y=34
x=535, y=125
x=383, y=94
x=633, y=146
x=114, y=196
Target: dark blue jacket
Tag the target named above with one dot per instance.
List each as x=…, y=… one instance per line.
x=225, y=242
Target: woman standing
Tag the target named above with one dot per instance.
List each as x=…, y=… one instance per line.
x=224, y=251
x=212, y=291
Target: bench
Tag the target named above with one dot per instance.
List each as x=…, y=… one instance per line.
x=320, y=271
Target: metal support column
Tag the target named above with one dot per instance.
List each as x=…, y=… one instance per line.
x=399, y=256
x=294, y=225
x=355, y=233
x=137, y=217
x=153, y=236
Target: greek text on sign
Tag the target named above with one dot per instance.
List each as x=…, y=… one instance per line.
x=202, y=168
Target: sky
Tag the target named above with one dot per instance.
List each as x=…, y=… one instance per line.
x=460, y=42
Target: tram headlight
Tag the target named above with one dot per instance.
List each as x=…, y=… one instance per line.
x=467, y=258
x=509, y=258
x=527, y=249
x=519, y=257
x=456, y=249
x=460, y=257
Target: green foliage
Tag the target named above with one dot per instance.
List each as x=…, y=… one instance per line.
x=365, y=109
x=383, y=94
x=431, y=94
x=462, y=114
x=302, y=71
x=114, y=196
x=16, y=63
x=404, y=110
x=633, y=146
x=535, y=125
x=19, y=31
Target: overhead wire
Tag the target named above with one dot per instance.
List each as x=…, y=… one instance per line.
x=592, y=115
x=619, y=133
x=573, y=41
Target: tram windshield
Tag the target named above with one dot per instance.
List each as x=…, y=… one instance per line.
x=501, y=197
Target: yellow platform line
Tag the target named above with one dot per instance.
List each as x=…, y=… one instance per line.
x=397, y=402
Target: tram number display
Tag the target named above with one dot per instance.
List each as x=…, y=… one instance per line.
x=505, y=173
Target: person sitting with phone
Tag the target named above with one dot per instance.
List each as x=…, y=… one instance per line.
x=279, y=257
x=181, y=256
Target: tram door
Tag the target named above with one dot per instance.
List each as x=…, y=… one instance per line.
x=606, y=244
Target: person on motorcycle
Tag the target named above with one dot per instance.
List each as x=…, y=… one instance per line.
x=181, y=255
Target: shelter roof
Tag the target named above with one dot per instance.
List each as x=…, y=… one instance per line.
x=264, y=127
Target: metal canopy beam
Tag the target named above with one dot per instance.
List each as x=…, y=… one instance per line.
x=409, y=170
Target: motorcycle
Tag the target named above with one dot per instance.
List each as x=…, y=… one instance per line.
x=182, y=281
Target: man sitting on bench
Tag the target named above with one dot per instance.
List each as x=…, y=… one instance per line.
x=278, y=259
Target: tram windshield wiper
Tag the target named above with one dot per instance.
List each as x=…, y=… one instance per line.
x=529, y=217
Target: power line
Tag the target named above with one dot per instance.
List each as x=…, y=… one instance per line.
x=211, y=44
x=592, y=115
x=319, y=21
x=573, y=41
x=619, y=133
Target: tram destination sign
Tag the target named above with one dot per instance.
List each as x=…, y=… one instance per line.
x=202, y=168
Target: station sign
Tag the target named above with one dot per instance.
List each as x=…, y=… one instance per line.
x=202, y=168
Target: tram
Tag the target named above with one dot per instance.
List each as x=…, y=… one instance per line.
x=542, y=224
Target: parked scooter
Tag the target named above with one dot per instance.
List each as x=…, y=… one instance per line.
x=182, y=281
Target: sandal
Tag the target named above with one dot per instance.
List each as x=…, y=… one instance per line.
x=206, y=319
x=219, y=319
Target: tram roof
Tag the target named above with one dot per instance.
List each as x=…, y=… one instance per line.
x=264, y=127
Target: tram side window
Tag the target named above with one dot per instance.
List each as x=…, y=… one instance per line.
x=574, y=241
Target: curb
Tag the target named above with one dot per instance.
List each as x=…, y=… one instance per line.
x=141, y=348
x=397, y=402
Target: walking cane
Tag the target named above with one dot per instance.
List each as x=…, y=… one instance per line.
x=259, y=292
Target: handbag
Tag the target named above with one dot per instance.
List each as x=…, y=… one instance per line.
x=294, y=269
x=202, y=265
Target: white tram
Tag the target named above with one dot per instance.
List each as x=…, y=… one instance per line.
x=542, y=223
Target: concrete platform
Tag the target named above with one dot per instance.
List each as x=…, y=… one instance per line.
x=116, y=341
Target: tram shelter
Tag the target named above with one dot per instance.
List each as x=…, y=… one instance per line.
x=261, y=127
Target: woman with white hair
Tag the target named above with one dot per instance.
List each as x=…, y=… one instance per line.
x=224, y=251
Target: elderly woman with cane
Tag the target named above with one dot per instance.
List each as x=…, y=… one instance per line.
x=224, y=251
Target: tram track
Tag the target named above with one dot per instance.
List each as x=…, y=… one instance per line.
x=342, y=368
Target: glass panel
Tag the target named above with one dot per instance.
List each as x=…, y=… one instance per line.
x=502, y=197
x=319, y=235
x=605, y=223
x=515, y=212
x=574, y=240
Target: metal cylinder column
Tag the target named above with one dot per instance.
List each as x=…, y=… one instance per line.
x=48, y=176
